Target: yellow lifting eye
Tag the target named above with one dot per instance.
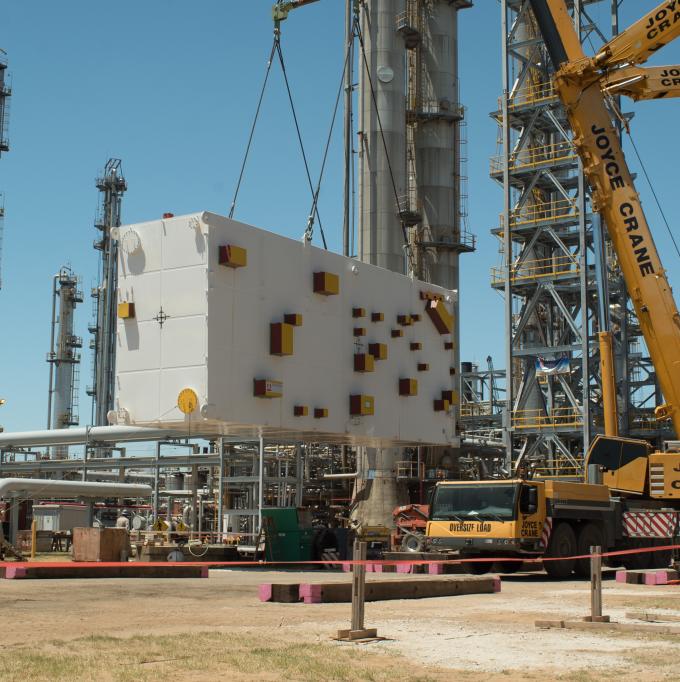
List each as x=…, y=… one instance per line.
x=187, y=400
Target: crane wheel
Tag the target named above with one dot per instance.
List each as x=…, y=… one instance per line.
x=562, y=545
x=589, y=535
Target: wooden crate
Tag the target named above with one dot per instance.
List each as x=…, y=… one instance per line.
x=99, y=544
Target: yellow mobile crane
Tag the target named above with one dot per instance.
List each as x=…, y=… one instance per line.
x=631, y=497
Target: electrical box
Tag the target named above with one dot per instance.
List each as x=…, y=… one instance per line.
x=233, y=256
x=361, y=405
x=269, y=348
x=126, y=310
x=408, y=387
x=264, y=388
x=281, y=338
x=364, y=362
x=293, y=318
x=60, y=517
x=326, y=284
x=378, y=350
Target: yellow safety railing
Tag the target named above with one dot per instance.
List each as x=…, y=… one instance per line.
x=480, y=409
x=536, y=269
x=538, y=212
x=535, y=93
x=531, y=157
x=560, y=417
x=645, y=423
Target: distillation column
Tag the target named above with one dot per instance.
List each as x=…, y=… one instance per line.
x=112, y=186
x=382, y=155
x=64, y=356
x=382, y=171
x=435, y=116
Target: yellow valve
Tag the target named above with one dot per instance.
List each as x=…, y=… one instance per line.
x=187, y=401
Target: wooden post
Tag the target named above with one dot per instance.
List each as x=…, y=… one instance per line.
x=34, y=538
x=358, y=586
x=596, y=586
x=357, y=630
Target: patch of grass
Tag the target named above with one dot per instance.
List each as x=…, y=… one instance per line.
x=187, y=655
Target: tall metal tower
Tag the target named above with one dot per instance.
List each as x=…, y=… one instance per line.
x=560, y=281
x=112, y=186
x=411, y=203
x=64, y=354
x=5, y=93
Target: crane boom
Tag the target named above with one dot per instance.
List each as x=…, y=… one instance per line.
x=657, y=82
x=282, y=8
x=579, y=81
x=646, y=36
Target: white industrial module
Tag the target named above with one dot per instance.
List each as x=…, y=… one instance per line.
x=228, y=329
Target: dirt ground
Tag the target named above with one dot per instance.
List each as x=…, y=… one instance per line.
x=470, y=637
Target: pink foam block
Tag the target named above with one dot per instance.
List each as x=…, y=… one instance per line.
x=660, y=577
x=404, y=568
x=377, y=568
x=205, y=572
x=620, y=576
x=15, y=572
x=310, y=594
x=435, y=569
x=346, y=567
x=496, y=584
x=265, y=592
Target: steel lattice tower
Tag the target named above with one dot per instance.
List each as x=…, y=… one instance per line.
x=559, y=278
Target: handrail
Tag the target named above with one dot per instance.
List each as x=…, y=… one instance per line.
x=538, y=419
x=536, y=269
x=530, y=157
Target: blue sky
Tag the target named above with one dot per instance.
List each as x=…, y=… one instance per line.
x=169, y=87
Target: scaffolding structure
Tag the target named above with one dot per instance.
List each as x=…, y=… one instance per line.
x=220, y=489
x=112, y=185
x=556, y=268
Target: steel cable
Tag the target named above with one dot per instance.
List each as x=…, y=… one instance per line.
x=252, y=128
x=315, y=200
x=651, y=187
x=299, y=136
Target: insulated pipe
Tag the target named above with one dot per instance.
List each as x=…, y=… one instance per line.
x=38, y=487
x=340, y=476
x=94, y=434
